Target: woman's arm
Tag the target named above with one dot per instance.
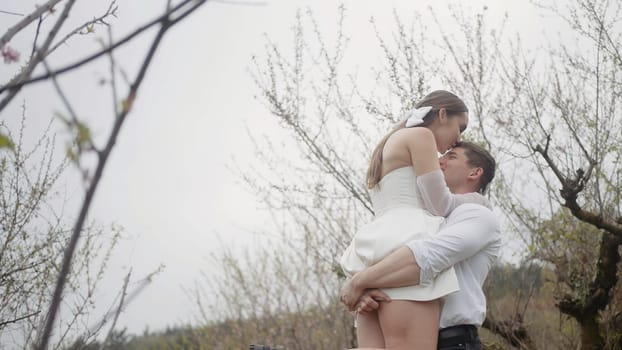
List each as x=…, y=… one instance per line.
x=438, y=199
x=424, y=157
x=421, y=145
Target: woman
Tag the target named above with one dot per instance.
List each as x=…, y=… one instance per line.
x=411, y=320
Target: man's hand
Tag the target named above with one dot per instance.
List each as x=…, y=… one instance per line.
x=398, y=269
x=350, y=293
x=370, y=299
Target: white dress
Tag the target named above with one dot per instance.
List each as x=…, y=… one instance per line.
x=399, y=218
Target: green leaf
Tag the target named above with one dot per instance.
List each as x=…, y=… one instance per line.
x=71, y=155
x=84, y=134
x=5, y=142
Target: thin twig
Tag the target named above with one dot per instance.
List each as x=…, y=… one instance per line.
x=72, y=113
x=26, y=21
x=113, y=79
x=544, y=151
x=11, y=13
x=4, y=323
x=142, y=285
x=61, y=94
x=118, y=312
x=40, y=55
x=17, y=83
x=166, y=23
x=34, y=42
x=111, y=11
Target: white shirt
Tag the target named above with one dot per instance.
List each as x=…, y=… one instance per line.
x=469, y=240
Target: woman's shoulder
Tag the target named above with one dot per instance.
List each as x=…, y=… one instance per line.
x=413, y=136
x=415, y=132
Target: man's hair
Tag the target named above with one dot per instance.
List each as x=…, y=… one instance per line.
x=479, y=157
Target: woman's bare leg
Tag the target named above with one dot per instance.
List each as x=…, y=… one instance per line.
x=368, y=331
x=410, y=325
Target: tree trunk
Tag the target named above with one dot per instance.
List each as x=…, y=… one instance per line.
x=586, y=309
x=591, y=339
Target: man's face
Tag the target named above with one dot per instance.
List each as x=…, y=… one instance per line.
x=456, y=169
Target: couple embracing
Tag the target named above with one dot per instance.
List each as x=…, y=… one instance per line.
x=418, y=267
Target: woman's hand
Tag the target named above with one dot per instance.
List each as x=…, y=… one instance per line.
x=370, y=299
x=356, y=298
x=350, y=293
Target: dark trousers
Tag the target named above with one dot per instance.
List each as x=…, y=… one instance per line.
x=462, y=337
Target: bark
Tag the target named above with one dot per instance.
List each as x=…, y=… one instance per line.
x=513, y=330
x=591, y=339
x=586, y=310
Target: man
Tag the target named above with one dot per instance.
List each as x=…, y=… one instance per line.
x=469, y=240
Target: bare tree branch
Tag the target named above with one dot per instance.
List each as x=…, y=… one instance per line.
x=4, y=323
x=111, y=11
x=166, y=23
x=118, y=312
x=41, y=9
x=11, y=13
x=34, y=42
x=40, y=55
x=18, y=83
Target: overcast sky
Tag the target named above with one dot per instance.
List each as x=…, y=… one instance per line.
x=167, y=183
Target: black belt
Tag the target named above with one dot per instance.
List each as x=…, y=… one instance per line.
x=457, y=335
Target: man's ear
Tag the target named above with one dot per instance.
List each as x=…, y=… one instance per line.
x=476, y=173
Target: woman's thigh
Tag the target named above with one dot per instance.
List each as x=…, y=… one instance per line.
x=411, y=325
x=368, y=332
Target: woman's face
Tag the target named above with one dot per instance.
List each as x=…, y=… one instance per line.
x=449, y=129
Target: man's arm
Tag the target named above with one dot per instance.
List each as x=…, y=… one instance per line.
x=468, y=229
x=398, y=269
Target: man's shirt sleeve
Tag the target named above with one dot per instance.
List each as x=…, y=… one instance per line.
x=468, y=229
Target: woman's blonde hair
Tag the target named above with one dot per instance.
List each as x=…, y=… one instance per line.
x=436, y=99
